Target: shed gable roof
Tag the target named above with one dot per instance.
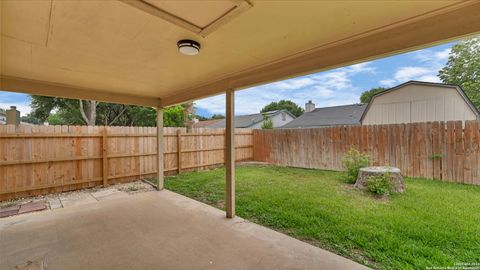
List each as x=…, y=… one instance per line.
x=400, y=86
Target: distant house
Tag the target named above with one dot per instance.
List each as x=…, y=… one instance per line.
x=416, y=101
x=409, y=102
x=206, y=123
x=12, y=117
x=3, y=115
x=328, y=116
x=279, y=119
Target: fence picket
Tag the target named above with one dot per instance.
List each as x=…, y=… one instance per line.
x=438, y=150
x=45, y=159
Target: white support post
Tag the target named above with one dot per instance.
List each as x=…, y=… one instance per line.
x=160, y=148
x=230, y=153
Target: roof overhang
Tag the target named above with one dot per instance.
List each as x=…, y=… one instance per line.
x=125, y=51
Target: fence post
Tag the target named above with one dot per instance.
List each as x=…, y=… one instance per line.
x=104, y=157
x=179, y=151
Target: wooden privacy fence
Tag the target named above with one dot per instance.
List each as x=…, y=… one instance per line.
x=439, y=150
x=43, y=159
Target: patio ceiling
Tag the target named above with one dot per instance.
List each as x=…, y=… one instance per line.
x=125, y=51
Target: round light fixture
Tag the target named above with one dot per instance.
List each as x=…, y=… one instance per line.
x=188, y=47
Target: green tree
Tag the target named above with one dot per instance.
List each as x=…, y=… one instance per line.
x=288, y=105
x=201, y=118
x=214, y=116
x=267, y=122
x=463, y=68
x=57, y=119
x=29, y=118
x=74, y=111
x=78, y=112
x=174, y=116
x=367, y=95
x=217, y=116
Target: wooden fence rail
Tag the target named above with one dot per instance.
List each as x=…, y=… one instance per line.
x=43, y=159
x=447, y=151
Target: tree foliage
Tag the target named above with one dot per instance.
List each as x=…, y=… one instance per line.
x=217, y=116
x=59, y=119
x=267, y=122
x=62, y=111
x=463, y=68
x=288, y=105
x=368, y=95
x=214, y=116
x=174, y=116
x=29, y=118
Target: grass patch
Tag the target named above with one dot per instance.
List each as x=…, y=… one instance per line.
x=432, y=224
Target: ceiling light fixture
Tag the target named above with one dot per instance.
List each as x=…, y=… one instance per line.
x=188, y=47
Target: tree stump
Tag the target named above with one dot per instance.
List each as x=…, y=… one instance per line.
x=395, y=177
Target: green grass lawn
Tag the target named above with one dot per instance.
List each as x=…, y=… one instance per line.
x=432, y=224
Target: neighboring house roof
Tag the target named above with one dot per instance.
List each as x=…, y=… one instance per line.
x=245, y=121
x=329, y=116
x=456, y=87
x=206, y=123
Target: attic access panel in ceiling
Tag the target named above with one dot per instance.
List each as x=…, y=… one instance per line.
x=199, y=17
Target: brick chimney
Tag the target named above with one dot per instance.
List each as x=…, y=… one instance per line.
x=309, y=106
x=13, y=116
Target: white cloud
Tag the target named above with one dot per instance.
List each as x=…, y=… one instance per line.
x=361, y=68
x=325, y=89
x=429, y=78
x=334, y=87
x=443, y=55
x=429, y=61
x=431, y=56
x=21, y=101
x=23, y=108
x=410, y=73
x=335, y=79
x=293, y=83
x=215, y=104
x=322, y=91
x=387, y=82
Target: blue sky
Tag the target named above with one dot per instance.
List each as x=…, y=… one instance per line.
x=335, y=87
x=338, y=86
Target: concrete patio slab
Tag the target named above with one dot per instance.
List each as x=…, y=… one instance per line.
x=77, y=198
x=153, y=230
x=107, y=194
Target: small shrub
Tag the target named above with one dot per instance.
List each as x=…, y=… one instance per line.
x=267, y=123
x=379, y=184
x=352, y=161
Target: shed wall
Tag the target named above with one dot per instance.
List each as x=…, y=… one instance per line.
x=418, y=103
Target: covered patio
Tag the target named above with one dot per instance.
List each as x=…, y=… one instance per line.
x=153, y=230
x=130, y=51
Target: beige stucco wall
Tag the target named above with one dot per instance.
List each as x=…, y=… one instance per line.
x=418, y=103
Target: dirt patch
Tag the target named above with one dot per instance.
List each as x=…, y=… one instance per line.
x=359, y=256
x=135, y=187
x=220, y=204
x=355, y=254
x=52, y=201
x=350, y=189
